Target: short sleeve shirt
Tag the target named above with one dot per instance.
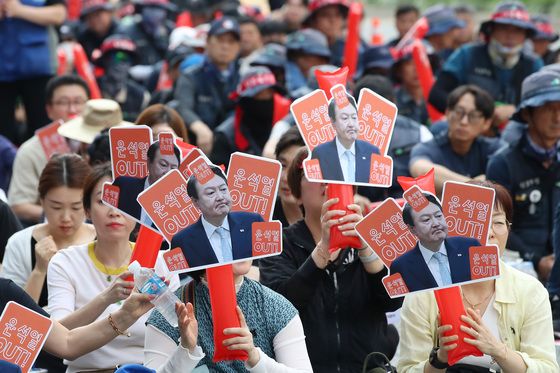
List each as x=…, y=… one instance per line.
x=439, y=151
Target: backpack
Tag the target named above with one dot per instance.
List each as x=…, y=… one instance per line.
x=376, y=362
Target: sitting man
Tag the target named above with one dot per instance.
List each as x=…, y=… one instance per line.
x=213, y=238
x=462, y=152
x=345, y=158
x=436, y=260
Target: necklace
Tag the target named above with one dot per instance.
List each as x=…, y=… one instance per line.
x=474, y=306
x=105, y=270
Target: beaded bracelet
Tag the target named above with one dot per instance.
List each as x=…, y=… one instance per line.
x=114, y=326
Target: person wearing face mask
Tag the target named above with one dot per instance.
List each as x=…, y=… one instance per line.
x=118, y=54
x=151, y=30
x=498, y=66
x=257, y=106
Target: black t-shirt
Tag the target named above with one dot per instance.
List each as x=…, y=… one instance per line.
x=9, y=224
x=9, y=291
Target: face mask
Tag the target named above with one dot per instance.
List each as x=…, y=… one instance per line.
x=115, y=78
x=257, y=117
x=257, y=112
x=153, y=19
x=503, y=56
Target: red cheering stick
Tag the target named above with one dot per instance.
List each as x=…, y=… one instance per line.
x=147, y=248
x=328, y=80
x=353, y=38
x=450, y=304
x=164, y=81
x=62, y=61
x=184, y=19
x=425, y=76
x=84, y=69
x=74, y=9
x=345, y=195
x=224, y=315
x=417, y=31
x=281, y=107
x=424, y=182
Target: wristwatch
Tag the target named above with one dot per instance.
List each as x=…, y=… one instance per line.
x=435, y=362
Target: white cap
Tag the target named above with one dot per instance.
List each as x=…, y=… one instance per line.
x=134, y=266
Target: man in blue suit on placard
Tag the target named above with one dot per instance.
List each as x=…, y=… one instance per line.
x=130, y=187
x=345, y=158
x=219, y=236
x=436, y=260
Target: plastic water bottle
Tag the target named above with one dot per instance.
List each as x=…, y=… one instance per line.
x=148, y=282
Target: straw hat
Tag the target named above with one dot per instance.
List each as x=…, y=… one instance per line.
x=98, y=114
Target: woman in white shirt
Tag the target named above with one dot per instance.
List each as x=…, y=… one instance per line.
x=29, y=251
x=271, y=331
x=88, y=282
x=508, y=319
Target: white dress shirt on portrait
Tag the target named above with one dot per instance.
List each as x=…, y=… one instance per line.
x=342, y=159
x=433, y=265
x=214, y=239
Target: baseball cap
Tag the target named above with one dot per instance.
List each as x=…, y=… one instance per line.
x=316, y=5
x=309, y=41
x=441, y=19
x=378, y=56
x=255, y=80
x=224, y=25
x=272, y=54
x=91, y=6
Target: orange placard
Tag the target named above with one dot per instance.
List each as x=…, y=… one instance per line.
x=201, y=170
x=415, y=198
x=168, y=205
x=129, y=150
x=175, y=260
x=166, y=143
x=381, y=170
x=190, y=157
x=267, y=238
x=51, y=141
x=23, y=334
x=253, y=183
x=376, y=116
x=394, y=285
x=338, y=93
x=468, y=210
x=385, y=232
x=313, y=169
x=311, y=114
x=485, y=262
x=111, y=194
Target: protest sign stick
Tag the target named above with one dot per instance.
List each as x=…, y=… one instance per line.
x=425, y=182
x=147, y=248
x=345, y=195
x=328, y=80
x=223, y=302
x=353, y=39
x=425, y=76
x=450, y=305
x=84, y=70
